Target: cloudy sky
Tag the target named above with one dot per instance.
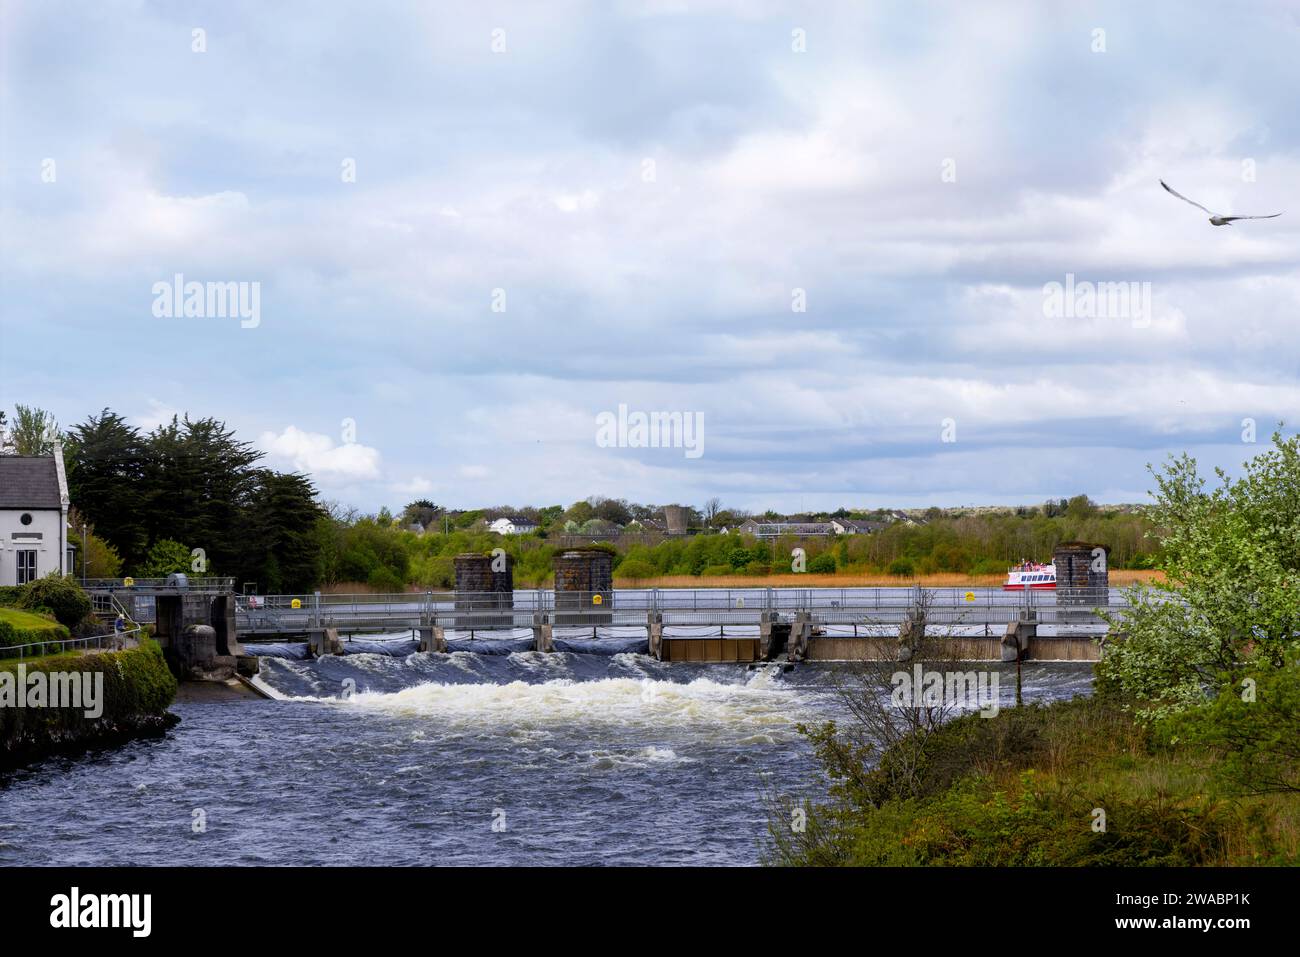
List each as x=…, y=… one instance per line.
x=476, y=227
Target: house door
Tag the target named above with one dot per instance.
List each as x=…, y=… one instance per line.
x=26, y=566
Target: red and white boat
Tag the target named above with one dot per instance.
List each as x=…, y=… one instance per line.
x=1030, y=575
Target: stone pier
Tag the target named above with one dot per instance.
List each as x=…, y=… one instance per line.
x=485, y=590
x=584, y=586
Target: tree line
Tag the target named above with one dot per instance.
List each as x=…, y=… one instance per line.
x=188, y=496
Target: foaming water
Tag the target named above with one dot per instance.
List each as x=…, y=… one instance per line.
x=374, y=757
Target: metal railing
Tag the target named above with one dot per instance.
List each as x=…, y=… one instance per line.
x=625, y=607
x=169, y=584
x=113, y=641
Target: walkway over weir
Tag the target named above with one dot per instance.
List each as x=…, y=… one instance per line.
x=272, y=615
x=676, y=621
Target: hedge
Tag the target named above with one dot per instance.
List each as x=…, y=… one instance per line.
x=138, y=687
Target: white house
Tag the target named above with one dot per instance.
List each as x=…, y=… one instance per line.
x=513, y=525
x=33, y=518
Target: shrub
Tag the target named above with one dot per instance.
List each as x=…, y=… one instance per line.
x=716, y=571
x=166, y=556
x=636, y=570
x=902, y=567
x=823, y=564
x=61, y=594
x=384, y=579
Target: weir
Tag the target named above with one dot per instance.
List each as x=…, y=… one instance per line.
x=695, y=625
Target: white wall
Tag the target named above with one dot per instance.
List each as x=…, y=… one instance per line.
x=49, y=551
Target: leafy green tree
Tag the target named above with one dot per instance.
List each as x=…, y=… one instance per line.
x=1232, y=563
x=823, y=564
x=34, y=431
x=1251, y=728
x=166, y=556
x=95, y=557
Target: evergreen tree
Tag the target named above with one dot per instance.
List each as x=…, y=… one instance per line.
x=106, y=459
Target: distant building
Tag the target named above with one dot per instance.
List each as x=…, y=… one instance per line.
x=901, y=516
x=767, y=530
x=675, y=519
x=512, y=525
x=33, y=518
x=644, y=525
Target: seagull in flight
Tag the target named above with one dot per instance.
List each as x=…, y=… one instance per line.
x=1215, y=219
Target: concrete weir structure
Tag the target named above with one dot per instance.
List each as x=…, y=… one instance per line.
x=194, y=621
x=703, y=624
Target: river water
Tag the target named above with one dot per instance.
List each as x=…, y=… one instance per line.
x=380, y=756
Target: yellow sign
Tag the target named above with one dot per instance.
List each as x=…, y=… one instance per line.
x=296, y=603
x=970, y=596
x=128, y=582
x=596, y=599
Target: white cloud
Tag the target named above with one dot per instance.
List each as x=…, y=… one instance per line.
x=318, y=455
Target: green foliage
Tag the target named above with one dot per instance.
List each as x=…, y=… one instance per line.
x=636, y=570
x=1232, y=560
x=165, y=557
x=95, y=557
x=34, y=431
x=138, y=687
x=19, y=627
x=60, y=595
x=192, y=481
x=823, y=564
x=902, y=567
x=1250, y=729
x=1018, y=789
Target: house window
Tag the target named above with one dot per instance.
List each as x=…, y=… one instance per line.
x=26, y=566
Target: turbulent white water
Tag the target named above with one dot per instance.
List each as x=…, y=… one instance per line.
x=382, y=756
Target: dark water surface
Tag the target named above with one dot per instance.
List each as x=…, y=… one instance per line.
x=380, y=757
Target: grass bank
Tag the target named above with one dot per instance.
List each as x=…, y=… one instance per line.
x=1077, y=783
x=137, y=688
x=20, y=627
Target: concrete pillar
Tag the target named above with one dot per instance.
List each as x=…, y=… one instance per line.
x=1015, y=643
x=655, y=632
x=773, y=635
x=800, y=635
x=911, y=634
x=433, y=639
x=542, y=639
x=323, y=641
x=193, y=655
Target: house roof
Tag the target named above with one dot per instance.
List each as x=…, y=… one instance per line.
x=515, y=520
x=29, y=481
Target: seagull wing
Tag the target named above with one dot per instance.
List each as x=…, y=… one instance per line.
x=1228, y=219
x=1182, y=197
